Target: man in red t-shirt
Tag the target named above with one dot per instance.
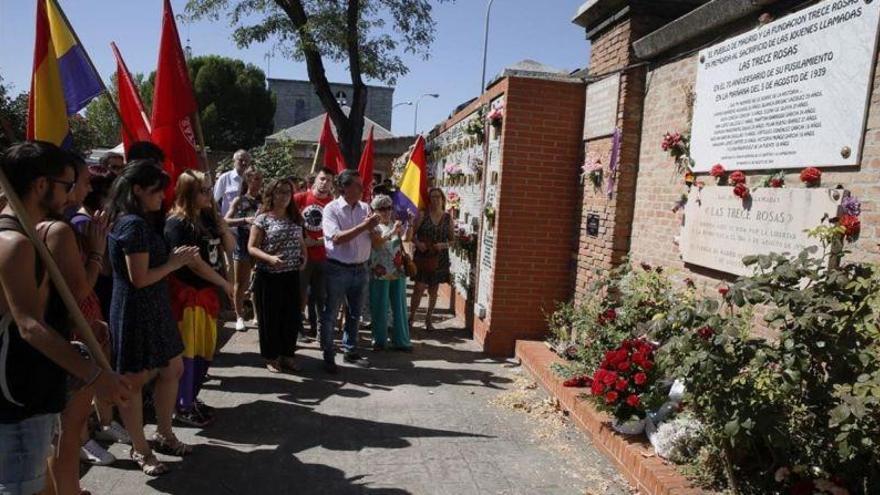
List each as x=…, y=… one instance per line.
x=311, y=204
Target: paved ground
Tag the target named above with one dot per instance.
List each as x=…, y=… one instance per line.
x=422, y=423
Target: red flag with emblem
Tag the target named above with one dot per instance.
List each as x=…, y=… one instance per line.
x=365, y=168
x=174, y=103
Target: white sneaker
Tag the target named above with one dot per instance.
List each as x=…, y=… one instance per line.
x=114, y=433
x=239, y=325
x=93, y=453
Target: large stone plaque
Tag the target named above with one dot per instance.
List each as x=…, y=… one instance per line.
x=600, y=115
x=790, y=94
x=720, y=229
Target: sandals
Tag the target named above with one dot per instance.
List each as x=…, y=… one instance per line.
x=148, y=463
x=170, y=445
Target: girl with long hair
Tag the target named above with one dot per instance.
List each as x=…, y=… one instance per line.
x=279, y=248
x=145, y=337
x=194, y=221
x=241, y=215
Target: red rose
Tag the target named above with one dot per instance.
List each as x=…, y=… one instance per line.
x=623, y=365
x=811, y=176
x=620, y=384
x=717, y=171
x=852, y=224
x=609, y=378
x=597, y=388
x=574, y=381
x=640, y=378
x=647, y=365
x=738, y=177
x=741, y=191
x=723, y=290
x=611, y=397
x=777, y=183
x=706, y=332
x=633, y=400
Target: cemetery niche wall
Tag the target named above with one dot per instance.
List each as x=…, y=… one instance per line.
x=508, y=163
x=748, y=134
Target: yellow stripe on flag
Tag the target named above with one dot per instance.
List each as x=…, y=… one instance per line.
x=410, y=184
x=50, y=108
x=62, y=37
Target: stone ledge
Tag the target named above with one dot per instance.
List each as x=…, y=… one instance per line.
x=635, y=459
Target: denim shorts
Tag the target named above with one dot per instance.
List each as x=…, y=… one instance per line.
x=24, y=448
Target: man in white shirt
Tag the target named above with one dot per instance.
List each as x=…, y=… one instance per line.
x=347, y=224
x=229, y=183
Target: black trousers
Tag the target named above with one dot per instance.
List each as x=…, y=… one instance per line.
x=277, y=302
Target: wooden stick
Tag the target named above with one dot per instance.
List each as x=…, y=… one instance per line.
x=82, y=326
x=201, y=138
x=315, y=159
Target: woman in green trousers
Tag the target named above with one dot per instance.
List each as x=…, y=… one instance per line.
x=388, y=279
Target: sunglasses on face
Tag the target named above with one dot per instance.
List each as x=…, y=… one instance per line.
x=68, y=185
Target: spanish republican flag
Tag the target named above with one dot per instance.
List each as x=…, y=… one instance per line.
x=412, y=194
x=64, y=80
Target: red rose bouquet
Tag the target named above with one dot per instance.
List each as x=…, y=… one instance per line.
x=737, y=177
x=624, y=381
x=811, y=176
x=741, y=191
x=717, y=171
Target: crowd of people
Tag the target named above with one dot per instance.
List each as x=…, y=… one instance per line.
x=150, y=275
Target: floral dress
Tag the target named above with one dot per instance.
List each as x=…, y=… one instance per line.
x=386, y=261
x=431, y=234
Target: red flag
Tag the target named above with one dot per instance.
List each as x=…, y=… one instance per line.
x=333, y=158
x=173, y=105
x=135, y=123
x=365, y=168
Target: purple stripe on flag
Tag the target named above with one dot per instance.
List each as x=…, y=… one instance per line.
x=80, y=82
x=403, y=207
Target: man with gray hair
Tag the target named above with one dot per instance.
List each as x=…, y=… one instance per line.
x=229, y=183
x=347, y=224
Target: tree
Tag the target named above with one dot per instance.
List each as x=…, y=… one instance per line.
x=355, y=32
x=236, y=108
x=13, y=116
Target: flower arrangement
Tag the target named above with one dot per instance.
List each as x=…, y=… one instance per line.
x=464, y=243
x=475, y=127
x=489, y=213
x=453, y=170
x=851, y=209
x=811, y=176
x=623, y=383
x=496, y=114
x=776, y=180
x=718, y=171
x=592, y=170
x=741, y=191
x=453, y=200
x=679, y=148
x=737, y=177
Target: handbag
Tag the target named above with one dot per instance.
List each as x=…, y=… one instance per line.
x=409, y=266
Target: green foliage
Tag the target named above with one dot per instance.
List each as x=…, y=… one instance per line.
x=276, y=160
x=236, y=106
x=385, y=30
x=13, y=115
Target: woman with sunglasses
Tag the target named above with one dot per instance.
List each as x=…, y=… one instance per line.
x=278, y=246
x=145, y=337
x=388, y=279
x=194, y=221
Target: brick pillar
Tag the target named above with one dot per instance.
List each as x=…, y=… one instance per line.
x=612, y=53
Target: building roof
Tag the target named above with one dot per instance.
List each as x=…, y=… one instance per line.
x=310, y=130
x=533, y=69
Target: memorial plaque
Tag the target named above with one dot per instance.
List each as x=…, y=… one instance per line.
x=720, y=228
x=789, y=94
x=600, y=115
x=592, y=225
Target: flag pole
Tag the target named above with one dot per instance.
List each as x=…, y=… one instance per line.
x=95, y=70
x=315, y=159
x=201, y=138
x=82, y=326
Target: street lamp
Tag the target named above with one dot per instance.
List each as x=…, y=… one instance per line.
x=485, y=45
x=416, y=118
x=409, y=103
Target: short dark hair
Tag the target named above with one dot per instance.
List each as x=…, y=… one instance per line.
x=146, y=150
x=105, y=160
x=346, y=178
x=25, y=162
x=101, y=179
x=326, y=171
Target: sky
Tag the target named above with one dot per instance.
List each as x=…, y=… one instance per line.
x=519, y=29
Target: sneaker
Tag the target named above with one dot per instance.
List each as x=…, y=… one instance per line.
x=191, y=418
x=114, y=433
x=239, y=325
x=331, y=367
x=205, y=410
x=93, y=453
